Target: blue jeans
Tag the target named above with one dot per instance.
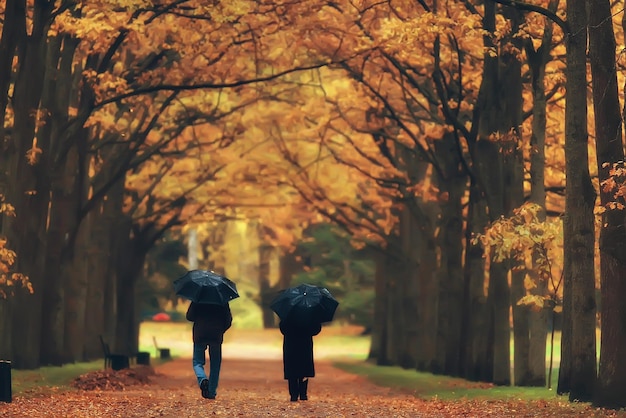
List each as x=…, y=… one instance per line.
x=215, y=362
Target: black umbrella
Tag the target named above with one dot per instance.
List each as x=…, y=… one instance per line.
x=203, y=286
x=305, y=304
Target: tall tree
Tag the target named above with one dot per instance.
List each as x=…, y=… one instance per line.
x=578, y=348
x=535, y=374
x=611, y=383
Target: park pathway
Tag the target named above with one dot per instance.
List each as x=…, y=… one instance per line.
x=255, y=388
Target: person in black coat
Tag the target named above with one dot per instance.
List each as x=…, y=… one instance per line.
x=210, y=322
x=298, y=356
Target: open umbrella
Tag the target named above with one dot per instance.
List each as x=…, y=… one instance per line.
x=305, y=304
x=203, y=286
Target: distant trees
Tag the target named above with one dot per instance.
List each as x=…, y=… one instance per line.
x=331, y=261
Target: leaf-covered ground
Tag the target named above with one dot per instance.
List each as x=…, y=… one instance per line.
x=255, y=388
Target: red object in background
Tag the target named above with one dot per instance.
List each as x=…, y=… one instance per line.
x=161, y=316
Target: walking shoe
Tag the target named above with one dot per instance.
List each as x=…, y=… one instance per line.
x=204, y=387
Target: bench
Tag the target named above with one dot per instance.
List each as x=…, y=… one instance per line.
x=114, y=361
x=164, y=353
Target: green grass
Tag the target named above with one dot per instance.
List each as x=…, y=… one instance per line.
x=429, y=386
x=50, y=378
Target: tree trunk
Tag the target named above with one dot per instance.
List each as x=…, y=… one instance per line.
x=97, y=262
x=411, y=352
x=538, y=321
x=30, y=194
x=51, y=289
x=427, y=292
x=266, y=291
x=379, y=330
x=129, y=267
x=64, y=199
x=13, y=33
x=289, y=266
x=521, y=333
x=75, y=278
x=578, y=225
x=474, y=363
x=395, y=269
x=611, y=384
x=489, y=163
x=70, y=187
x=500, y=118
x=213, y=251
x=514, y=198
x=450, y=244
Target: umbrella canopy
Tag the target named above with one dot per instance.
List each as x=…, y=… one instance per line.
x=305, y=304
x=203, y=286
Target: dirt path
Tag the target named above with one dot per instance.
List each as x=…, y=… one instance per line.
x=255, y=388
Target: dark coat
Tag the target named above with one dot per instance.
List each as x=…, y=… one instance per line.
x=298, y=349
x=210, y=322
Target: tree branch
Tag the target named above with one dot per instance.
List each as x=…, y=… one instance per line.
x=182, y=87
x=532, y=8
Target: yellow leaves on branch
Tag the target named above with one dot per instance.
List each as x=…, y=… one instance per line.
x=535, y=302
x=519, y=235
x=6, y=208
x=9, y=280
x=524, y=237
x=614, y=186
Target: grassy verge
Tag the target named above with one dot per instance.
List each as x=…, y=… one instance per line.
x=31, y=382
x=430, y=386
x=25, y=382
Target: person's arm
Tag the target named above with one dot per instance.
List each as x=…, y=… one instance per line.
x=229, y=318
x=191, y=312
x=316, y=329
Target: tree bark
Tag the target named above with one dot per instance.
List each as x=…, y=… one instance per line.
x=578, y=226
x=538, y=321
x=52, y=289
x=474, y=363
x=379, y=330
x=395, y=269
x=266, y=291
x=98, y=258
x=611, y=383
x=450, y=243
x=30, y=194
x=129, y=266
x=412, y=350
x=75, y=277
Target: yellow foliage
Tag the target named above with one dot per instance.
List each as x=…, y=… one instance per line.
x=8, y=279
x=524, y=237
x=534, y=302
x=32, y=155
x=529, y=284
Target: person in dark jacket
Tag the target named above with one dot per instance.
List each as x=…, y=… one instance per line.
x=210, y=322
x=298, y=361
